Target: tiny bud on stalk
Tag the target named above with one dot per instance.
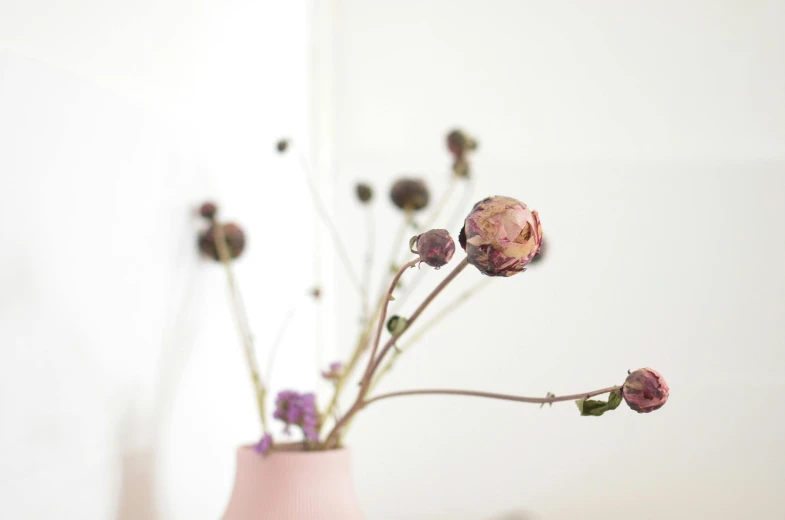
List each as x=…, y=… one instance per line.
x=364, y=192
x=410, y=194
x=208, y=210
x=645, y=390
x=282, y=145
x=458, y=143
x=235, y=240
x=435, y=247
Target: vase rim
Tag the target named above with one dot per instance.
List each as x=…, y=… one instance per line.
x=292, y=448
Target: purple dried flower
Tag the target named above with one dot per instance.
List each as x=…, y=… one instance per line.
x=334, y=371
x=264, y=445
x=435, y=247
x=296, y=409
x=645, y=390
x=501, y=235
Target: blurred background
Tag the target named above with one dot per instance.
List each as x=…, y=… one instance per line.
x=648, y=136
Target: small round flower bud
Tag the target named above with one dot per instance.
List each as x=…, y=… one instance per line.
x=435, y=247
x=208, y=210
x=235, y=239
x=364, y=192
x=409, y=194
x=501, y=235
x=282, y=145
x=459, y=143
x=645, y=390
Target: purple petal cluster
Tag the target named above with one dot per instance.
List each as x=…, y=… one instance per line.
x=264, y=444
x=296, y=409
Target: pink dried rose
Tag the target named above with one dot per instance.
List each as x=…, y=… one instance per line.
x=435, y=247
x=645, y=390
x=501, y=235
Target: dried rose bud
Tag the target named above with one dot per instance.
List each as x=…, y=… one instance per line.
x=334, y=371
x=435, y=247
x=409, y=194
x=459, y=143
x=364, y=192
x=208, y=210
x=282, y=145
x=645, y=390
x=235, y=239
x=501, y=235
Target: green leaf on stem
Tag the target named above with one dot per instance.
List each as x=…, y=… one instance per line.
x=596, y=407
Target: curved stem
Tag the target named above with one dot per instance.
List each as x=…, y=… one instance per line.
x=241, y=318
x=449, y=308
x=383, y=318
x=490, y=395
x=332, y=438
x=268, y=373
x=370, y=246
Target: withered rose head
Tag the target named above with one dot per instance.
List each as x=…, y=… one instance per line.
x=501, y=235
x=645, y=390
x=410, y=194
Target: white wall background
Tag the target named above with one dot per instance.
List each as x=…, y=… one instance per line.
x=122, y=388
x=650, y=138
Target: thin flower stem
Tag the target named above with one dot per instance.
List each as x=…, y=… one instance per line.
x=383, y=316
x=268, y=373
x=241, y=319
x=446, y=311
x=321, y=209
x=341, y=426
x=370, y=247
x=365, y=334
x=490, y=395
x=359, y=348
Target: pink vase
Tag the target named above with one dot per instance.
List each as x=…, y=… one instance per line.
x=293, y=485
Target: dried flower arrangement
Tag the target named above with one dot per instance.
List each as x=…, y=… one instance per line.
x=500, y=237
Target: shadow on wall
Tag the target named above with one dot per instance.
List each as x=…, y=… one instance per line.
x=137, y=487
x=139, y=433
